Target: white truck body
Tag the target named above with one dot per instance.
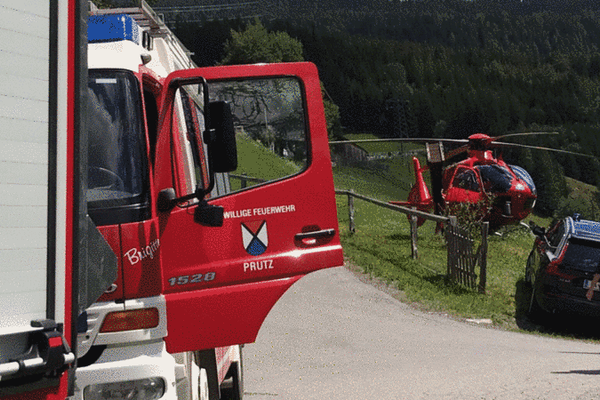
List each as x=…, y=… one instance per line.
x=24, y=148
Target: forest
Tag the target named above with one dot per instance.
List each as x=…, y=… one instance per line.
x=446, y=68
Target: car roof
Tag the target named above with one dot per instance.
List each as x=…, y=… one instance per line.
x=583, y=229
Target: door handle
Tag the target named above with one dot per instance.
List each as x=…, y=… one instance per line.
x=324, y=233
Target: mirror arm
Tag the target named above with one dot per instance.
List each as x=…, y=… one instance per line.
x=205, y=214
x=167, y=200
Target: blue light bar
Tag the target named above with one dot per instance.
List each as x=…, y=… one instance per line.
x=113, y=28
x=585, y=229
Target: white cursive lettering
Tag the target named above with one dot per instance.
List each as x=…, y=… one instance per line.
x=136, y=255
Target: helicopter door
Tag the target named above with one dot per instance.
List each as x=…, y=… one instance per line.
x=465, y=187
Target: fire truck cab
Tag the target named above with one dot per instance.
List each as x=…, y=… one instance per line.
x=213, y=188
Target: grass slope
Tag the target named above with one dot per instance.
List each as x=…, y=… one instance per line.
x=256, y=161
x=381, y=246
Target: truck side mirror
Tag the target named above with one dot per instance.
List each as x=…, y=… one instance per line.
x=220, y=139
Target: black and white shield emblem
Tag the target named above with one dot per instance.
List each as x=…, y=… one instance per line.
x=255, y=237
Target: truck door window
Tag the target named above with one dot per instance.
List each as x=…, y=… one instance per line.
x=151, y=120
x=190, y=125
x=195, y=126
x=269, y=120
x=117, y=185
x=194, y=121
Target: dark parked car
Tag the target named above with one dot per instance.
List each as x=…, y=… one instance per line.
x=561, y=266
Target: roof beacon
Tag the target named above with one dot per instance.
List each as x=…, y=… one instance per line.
x=113, y=28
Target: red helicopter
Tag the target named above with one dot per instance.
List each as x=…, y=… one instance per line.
x=502, y=194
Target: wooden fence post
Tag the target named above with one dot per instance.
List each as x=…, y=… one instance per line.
x=351, y=210
x=483, y=257
x=413, y=235
x=451, y=244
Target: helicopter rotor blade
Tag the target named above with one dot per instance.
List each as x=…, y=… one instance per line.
x=433, y=140
x=522, y=134
x=494, y=141
x=415, y=140
x=505, y=144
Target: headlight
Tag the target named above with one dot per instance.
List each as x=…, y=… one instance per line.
x=141, y=389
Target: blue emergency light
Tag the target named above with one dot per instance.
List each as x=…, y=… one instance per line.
x=113, y=28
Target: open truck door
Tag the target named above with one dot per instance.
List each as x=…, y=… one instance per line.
x=228, y=257
x=53, y=261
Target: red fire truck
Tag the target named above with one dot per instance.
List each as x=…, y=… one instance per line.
x=167, y=257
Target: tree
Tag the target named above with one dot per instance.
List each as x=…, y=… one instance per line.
x=332, y=114
x=551, y=184
x=256, y=45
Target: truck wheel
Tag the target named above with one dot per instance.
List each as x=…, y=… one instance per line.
x=233, y=386
x=207, y=361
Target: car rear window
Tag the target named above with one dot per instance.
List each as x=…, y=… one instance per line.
x=582, y=255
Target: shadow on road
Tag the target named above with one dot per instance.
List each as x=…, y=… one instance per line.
x=578, y=372
x=562, y=324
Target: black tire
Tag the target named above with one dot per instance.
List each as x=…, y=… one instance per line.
x=207, y=360
x=534, y=310
x=528, y=271
x=536, y=313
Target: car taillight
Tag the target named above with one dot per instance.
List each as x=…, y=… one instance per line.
x=144, y=318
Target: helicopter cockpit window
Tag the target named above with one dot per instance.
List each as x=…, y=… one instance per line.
x=466, y=179
x=496, y=179
x=270, y=124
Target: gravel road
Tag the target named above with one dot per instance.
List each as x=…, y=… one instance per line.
x=332, y=337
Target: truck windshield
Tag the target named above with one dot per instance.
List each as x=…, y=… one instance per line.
x=117, y=183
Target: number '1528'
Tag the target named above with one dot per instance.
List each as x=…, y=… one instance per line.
x=196, y=278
